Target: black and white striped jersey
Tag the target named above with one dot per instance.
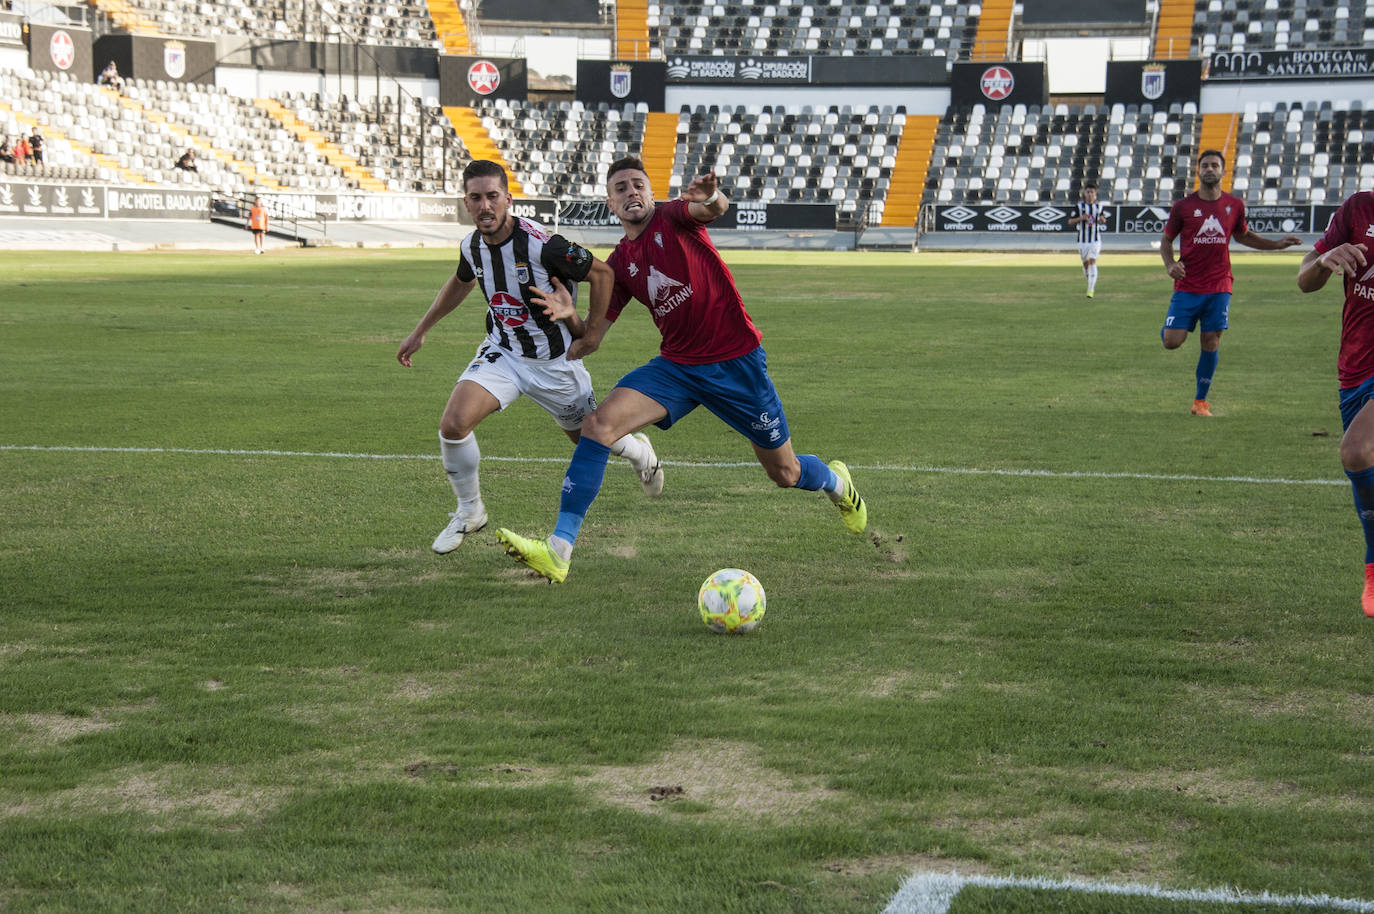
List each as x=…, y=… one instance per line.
x=508, y=272
x=1089, y=230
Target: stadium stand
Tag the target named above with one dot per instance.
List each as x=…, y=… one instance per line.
x=1032, y=154
x=397, y=23
x=840, y=28
x=1255, y=25
x=769, y=153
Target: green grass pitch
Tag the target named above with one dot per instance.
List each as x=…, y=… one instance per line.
x=1088, y=636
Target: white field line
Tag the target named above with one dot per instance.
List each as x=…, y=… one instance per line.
x=934, y=893
x=708, y=464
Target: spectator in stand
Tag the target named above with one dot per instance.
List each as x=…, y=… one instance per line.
x=21, y=151
x=187, y=162
x=6, y=153
x=110, y=77
x=36, y=147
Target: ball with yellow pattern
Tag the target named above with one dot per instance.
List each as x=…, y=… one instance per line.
x=731, y=601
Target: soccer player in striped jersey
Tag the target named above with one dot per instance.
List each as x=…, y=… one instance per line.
x=517, y=263
x=1346, y=249
x=1090, y=217
x=710, y=356
x=1205, y=222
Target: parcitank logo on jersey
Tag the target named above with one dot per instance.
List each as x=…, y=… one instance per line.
x=666, y=293
x=1210, y=232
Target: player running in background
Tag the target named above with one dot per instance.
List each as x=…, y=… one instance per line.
x=1090, y=218
x=710, y=356
x=1206, y=221
x=1345, y=249
x=525, y=350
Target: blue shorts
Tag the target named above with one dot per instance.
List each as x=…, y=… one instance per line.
x=738, y=391
x=1353, y=400
x=1186, y=309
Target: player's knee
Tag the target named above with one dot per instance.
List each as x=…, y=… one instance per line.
x=596, y=427
x=453, y=429
x=1356, y=454
x=786, y=477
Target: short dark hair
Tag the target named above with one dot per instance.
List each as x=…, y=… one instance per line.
x=623, y=163
x=1212, y=152
x=485, y=168
x=1090, y=185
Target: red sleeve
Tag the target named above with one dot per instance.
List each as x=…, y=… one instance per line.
x=1175, y=223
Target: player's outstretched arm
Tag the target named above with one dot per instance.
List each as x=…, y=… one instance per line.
x=705, y=201
x=1260, y=243
x=449, y=297
x=601, y=279
x=1317, y=268
x=558, y=304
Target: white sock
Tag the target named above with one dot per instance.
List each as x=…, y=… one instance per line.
x=561, y=548
x=460, y=463
x=633, y=450
x=1092, y=277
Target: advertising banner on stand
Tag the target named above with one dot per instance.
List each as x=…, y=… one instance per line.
x=63, y=49
x=467, y=81
x=997, y=84
x=618, y=83
x=22, y=198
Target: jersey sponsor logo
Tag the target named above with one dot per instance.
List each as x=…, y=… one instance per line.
x=578, y=255
x=1369, y=232
x=509, y=310
x=484, y=77
x=997, y=83
x=666, y=293
x=1210, y=232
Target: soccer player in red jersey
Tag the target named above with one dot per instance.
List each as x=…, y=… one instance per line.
x=1345, y=249
x=710, y=356
x=1206, y=221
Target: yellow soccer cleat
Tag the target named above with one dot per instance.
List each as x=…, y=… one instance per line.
x=853, y=511
x=535, y=554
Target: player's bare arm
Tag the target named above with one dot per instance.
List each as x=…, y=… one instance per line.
x=1166, y=252
x=1260, y=243
x=705, y=201
x=602, y=282
x=1317, y=268
x=559, y=305
x=449, y=297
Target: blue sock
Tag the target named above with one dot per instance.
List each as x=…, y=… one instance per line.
x=1362, y=482
x=815, y=475
x=1206, y=367
x=581, y=485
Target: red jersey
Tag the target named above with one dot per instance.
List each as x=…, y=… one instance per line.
x=1354, y=223
x=675, y=270
x=1206, y=228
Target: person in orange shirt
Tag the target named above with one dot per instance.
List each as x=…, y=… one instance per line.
x=22, y=151
x=257, y=223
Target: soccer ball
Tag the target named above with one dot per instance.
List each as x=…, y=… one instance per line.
x=731, y=601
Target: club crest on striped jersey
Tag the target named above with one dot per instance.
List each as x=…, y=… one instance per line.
x=509, y=310
x=522, y=271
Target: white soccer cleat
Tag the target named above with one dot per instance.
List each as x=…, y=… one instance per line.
x=652, y=476
x=451, y=537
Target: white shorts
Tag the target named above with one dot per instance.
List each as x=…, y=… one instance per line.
x=1090, y=251
x=562, y=388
